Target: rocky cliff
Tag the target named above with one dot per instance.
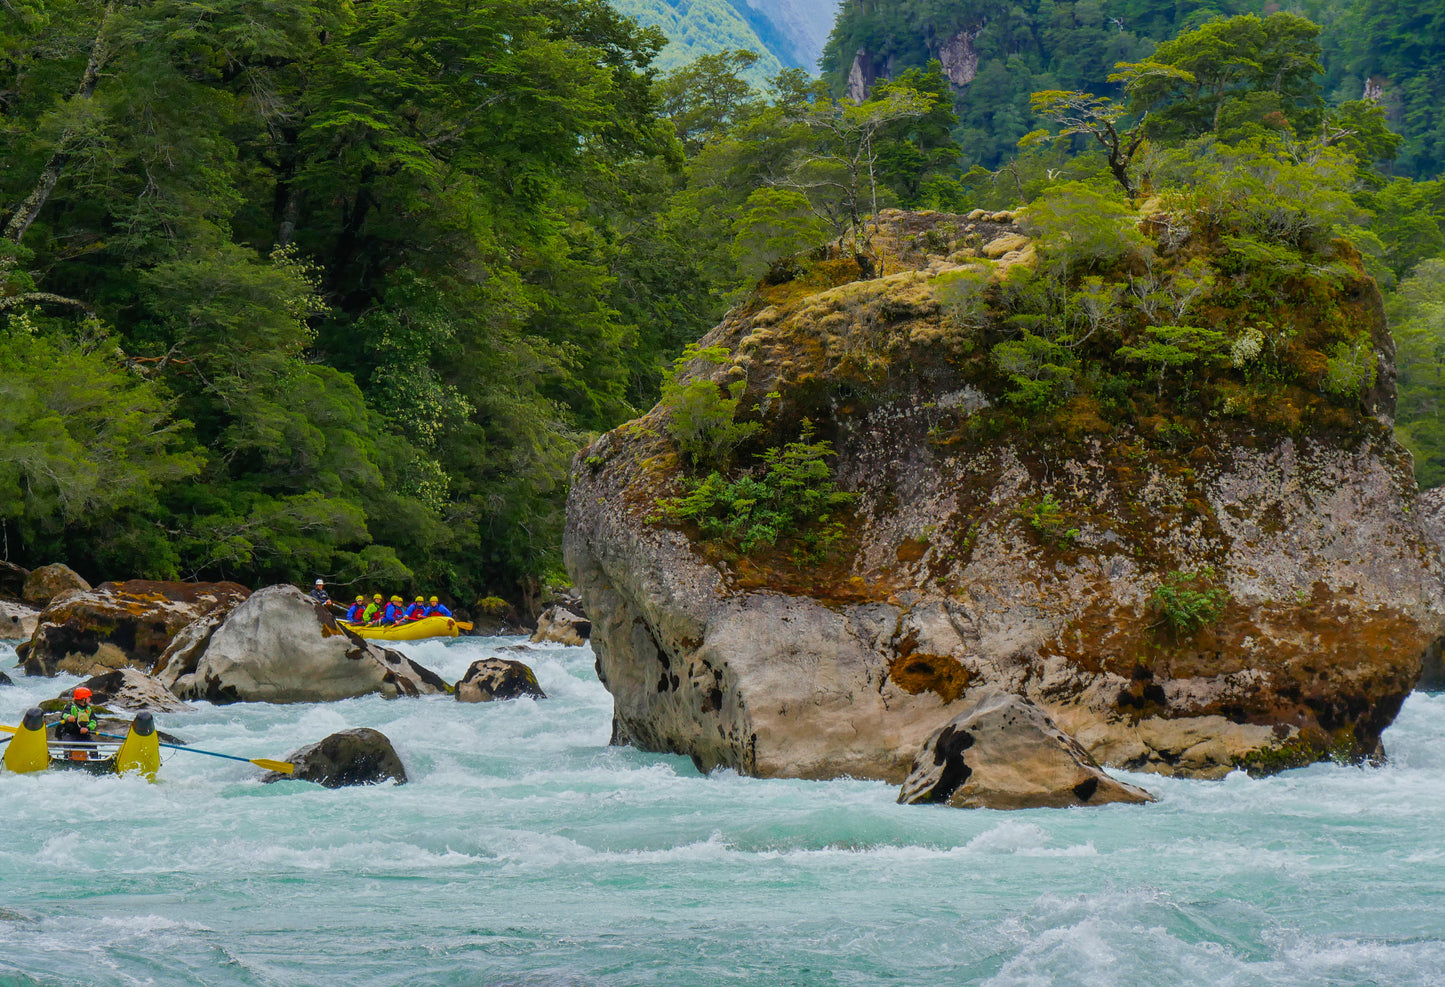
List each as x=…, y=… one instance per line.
x=1189, y=572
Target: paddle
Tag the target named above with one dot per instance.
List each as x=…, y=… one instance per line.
x=285, y=767
x=464, y=625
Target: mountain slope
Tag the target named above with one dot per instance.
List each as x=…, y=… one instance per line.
x=785, y=33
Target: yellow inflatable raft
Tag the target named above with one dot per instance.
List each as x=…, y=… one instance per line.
x=32, y=750
x=414, y=631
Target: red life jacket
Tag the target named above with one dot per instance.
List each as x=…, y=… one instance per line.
x=416, y=611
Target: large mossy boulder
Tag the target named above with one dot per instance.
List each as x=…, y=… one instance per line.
x=49, y=581
x=117, y=625
x=124, y=689
x=281, y=646
x=1186, y=573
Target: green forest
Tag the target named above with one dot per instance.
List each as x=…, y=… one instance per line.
x=338, y=290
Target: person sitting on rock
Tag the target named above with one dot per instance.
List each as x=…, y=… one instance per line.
x=373, y=610
x=355, y=612
x=77, y=721
x=437, y=609
x=416, y=611
x=394, y=612
x=319, y=594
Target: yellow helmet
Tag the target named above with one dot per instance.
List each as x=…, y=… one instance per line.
x=377, y=597
x=361, y=599
x=434, y=600
x=396, y=599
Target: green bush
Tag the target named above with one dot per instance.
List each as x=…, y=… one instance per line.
x=702, y=412
x=1187, y=601
x=1049, y=520
x=793, y=494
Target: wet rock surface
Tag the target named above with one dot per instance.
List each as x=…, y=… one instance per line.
x=124, y=689
x=560, y=624
x=1005, y=753
x=88, y=632
x=17, y=621
x=280, y=646
x=361, y=756
x=498, y=678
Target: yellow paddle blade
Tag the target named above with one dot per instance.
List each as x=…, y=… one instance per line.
x=285, y=767
x=5, y=729
x=464, y=625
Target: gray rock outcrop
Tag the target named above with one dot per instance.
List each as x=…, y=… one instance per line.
x=561, y=625
x=989, y=551
x=280, y=646
x=49, y=581
x=88, y=632
x=1004, y=753
x=17, y=621
x=361, y=756
x=131, y=690
x=498, y=678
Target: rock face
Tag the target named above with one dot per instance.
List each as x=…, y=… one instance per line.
x=17, y=621
x=87, y=632
x=49, y=581
x=498, y=678
x=352, y=757
x=1004, y=753
x=561, y=625
x=280, y=646
x=1432, y=517
x=1037, y=553
x=130, y=690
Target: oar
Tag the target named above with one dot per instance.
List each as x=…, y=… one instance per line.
x=285, y=767
x=464, y=625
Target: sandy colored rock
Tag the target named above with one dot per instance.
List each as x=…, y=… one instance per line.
x=17, y=621
x=498, y=678
x=115, y=625
x=361, y=756
x=130, y=690
x=281, y=646
x=49, y=581
x=1005, y=753
x=559, y=625
x=942, y=589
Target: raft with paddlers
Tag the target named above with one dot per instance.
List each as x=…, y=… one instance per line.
x=33, y=749
x=414, y=630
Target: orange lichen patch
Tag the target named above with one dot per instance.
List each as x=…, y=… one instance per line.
x=918, y=673
x=912, y=551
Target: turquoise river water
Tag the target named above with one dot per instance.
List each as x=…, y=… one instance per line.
x=525, y=851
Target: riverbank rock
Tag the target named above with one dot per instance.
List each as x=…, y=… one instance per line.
x=280, y=646
x=17, y=621
x=125, y=689
x=5, y=679
x=562, y=625
x=49, y=581
x=498, y=678
x=1432, y=518
x=1004, y=753
x=1187, y=576
x=88, y=632
x=352, y=757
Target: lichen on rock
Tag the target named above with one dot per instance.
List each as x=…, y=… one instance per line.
x=1008, y=540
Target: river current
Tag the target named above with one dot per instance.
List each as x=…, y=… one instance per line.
x=525, y=851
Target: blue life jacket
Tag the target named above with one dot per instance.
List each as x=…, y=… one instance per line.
x=415, y=612
x=438, y=610
x=355, y=611
x=392, y=613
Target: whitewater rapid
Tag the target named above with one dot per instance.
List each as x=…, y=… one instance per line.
x=525, y=851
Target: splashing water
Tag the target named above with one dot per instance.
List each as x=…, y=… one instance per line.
x=527, y=852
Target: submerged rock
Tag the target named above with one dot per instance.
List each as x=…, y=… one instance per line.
x=1184, y=586
x=1004, y=753
x=360, y=756
x=120, y=624
x=498, y=678
x=281, y=646
x=562, y=625
x=5, y=679
x=49, y=581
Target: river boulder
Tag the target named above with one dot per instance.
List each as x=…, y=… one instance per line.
x=1005, y=753
x=560, y=624
x=115, y=625
x=5, y=679
x=49, y=581
x=360, y=756
x=17, y=621
x=124, y=689
x=1188, y=574
x=281, y=646
x=498, y=678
